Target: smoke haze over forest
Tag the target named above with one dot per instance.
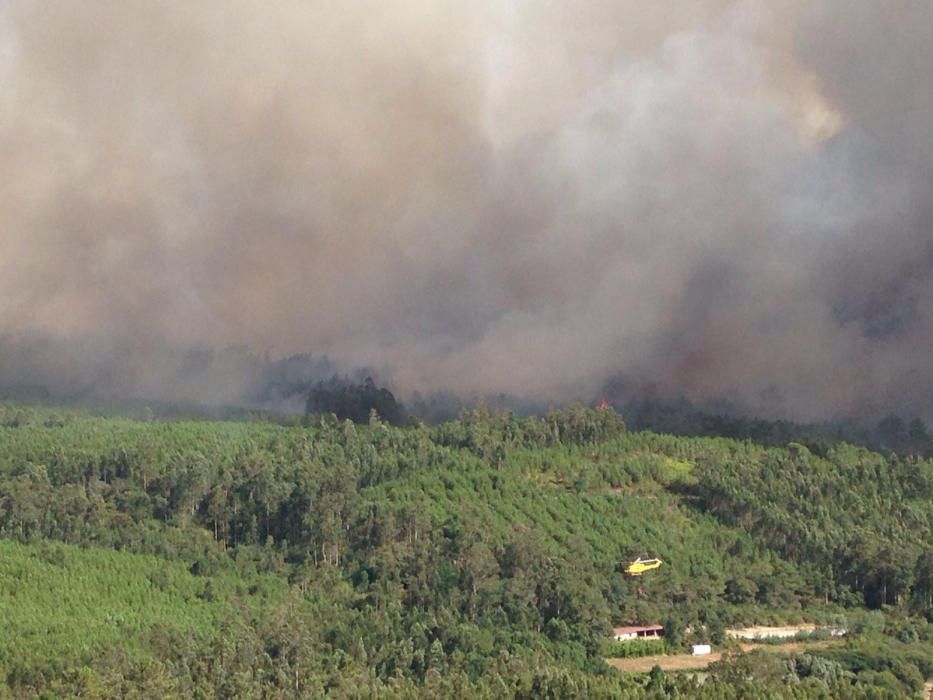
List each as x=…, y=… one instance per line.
x=725, y=200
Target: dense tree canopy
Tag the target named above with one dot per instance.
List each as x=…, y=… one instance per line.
x=354, y=402
x=483, y=557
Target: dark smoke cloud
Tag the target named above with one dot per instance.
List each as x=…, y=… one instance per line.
x=727, y=200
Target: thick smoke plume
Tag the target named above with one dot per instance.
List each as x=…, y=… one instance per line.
x=727, y=200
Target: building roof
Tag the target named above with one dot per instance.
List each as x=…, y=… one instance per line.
x=633, y=630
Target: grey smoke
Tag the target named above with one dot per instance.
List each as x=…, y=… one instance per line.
x=727, y=200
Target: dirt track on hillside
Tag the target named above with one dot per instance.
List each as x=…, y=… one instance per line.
x=688, y=662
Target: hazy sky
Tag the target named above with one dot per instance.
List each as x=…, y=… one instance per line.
x=720, y=199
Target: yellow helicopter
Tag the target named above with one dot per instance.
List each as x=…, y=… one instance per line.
x=640, y=566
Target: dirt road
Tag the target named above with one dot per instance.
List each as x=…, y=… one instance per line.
x=765, y=632
x=762, y=631
x=673, y=662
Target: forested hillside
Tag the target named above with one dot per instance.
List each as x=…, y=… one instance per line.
x=483, y=557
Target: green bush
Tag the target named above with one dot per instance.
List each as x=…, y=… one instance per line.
x=637, y=647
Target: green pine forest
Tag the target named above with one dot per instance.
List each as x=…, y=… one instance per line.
x=479, y=558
